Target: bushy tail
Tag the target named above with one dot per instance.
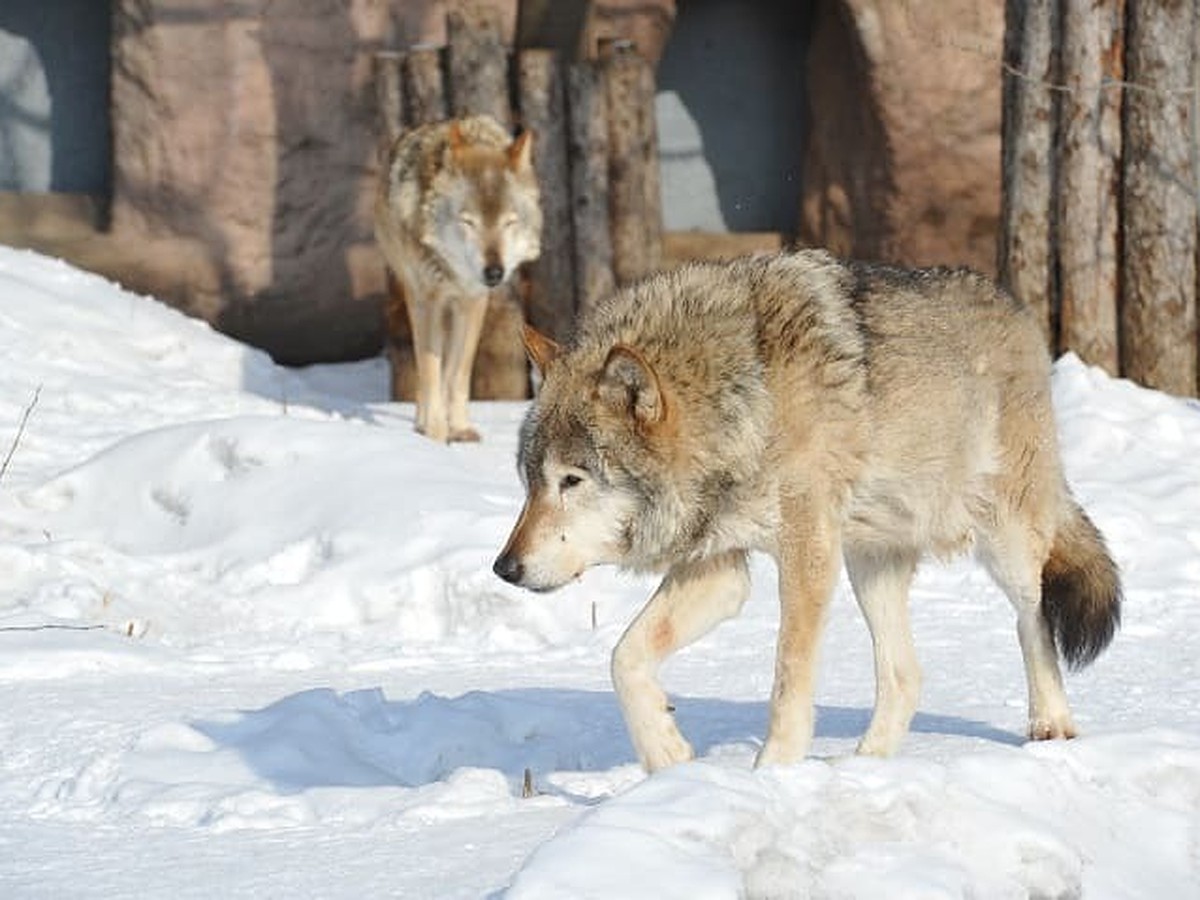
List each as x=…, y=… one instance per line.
x=1081, y=590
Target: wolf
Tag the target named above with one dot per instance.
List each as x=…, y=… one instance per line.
x=821, y=411
x=457, y=210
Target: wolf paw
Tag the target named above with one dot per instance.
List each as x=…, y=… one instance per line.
x=671, y=749
x=467, y=435
x=1046, y=729
x=434, y=432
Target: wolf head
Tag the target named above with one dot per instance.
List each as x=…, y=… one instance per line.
x=485, y=218
x=582, y=501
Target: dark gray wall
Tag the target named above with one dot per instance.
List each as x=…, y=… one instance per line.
x=54, y=88
x=731, y=114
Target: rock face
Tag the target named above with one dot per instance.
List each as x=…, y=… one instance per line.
x=250, y=128
x=903, y=159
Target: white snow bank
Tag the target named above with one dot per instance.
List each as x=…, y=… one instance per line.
x=1111, y=816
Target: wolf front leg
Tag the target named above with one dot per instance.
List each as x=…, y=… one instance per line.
x=692, y=599
x=466, y=325
x=807, y=556
x=426, y=315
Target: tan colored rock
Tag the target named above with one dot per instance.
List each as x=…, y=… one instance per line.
x=251, y=129
x=903, y=158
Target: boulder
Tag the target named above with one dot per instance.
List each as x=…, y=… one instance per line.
x=250, y=128
x=903, y=157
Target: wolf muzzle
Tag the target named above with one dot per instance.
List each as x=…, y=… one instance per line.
x=493, y=275
x=509, y=567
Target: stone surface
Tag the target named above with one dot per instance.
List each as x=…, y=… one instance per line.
x=903, y=159
x=250, y=128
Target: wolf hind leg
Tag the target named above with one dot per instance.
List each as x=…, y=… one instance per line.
x=692, y=599
x=1014, y=558
x=881, y=581
x=466, y=325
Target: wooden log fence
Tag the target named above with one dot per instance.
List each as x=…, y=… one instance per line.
x=596, y=157
x=1101, y=182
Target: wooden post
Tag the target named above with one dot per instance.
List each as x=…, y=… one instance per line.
x=389, y=96
x=543, y=111
x=1158, y=283
x=1088, y=189
x=636, y=224
x=424, y=101
x=478, y=85
x=1025, y=251
x=588, y=151
x=478, y=63
x=424, y=90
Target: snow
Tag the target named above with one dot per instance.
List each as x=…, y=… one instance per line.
x=250, y=646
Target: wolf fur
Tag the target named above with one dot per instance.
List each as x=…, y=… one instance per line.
x=821, y=411
x=456, y=212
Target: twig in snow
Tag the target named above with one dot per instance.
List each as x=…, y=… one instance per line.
x=20, y=431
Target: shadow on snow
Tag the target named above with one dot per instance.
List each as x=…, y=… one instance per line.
x=319, y=738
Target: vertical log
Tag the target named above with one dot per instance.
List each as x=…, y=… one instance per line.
x=424, y=101
x=543, y=111
x=389, y=96
x=477, y=65
x=1088, y=190
x=1158, y=302
x=588, y=151
x=652, y=184
x=424, y=88
x=632, y=152
x=1025, y=252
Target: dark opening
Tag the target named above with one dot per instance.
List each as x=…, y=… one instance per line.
x=731, y=113
x=54, y=96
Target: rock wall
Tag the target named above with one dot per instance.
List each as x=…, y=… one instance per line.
x=903, y=160
x=249, y=128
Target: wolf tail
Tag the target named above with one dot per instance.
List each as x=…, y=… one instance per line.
x=1081, y=589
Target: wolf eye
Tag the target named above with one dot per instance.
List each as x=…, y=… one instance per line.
x=509, y=222
x=569, y=481
x=469, y=222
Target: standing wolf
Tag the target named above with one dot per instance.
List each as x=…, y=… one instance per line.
x=820, y=411
x=457, y=211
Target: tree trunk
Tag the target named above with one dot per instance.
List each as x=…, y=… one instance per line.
x=1025, y=251
x=1088, y=189
x=478, y=85
x=478, y=63
x=543, y=111
x=424, y=90
x=424, y=101
x=636, y=223
x=1158, y=303
x=389, y=96
x=588, y=114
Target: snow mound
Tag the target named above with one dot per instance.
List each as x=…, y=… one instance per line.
x=1028, y=822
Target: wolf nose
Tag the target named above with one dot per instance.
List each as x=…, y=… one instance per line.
x=493, y=275
x=509, y=568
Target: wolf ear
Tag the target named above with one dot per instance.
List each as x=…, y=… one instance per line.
x=542, y=350
x=629, y=381
x=455, y=141
x=520, y=152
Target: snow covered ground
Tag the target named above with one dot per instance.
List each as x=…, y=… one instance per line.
x=250, y=646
